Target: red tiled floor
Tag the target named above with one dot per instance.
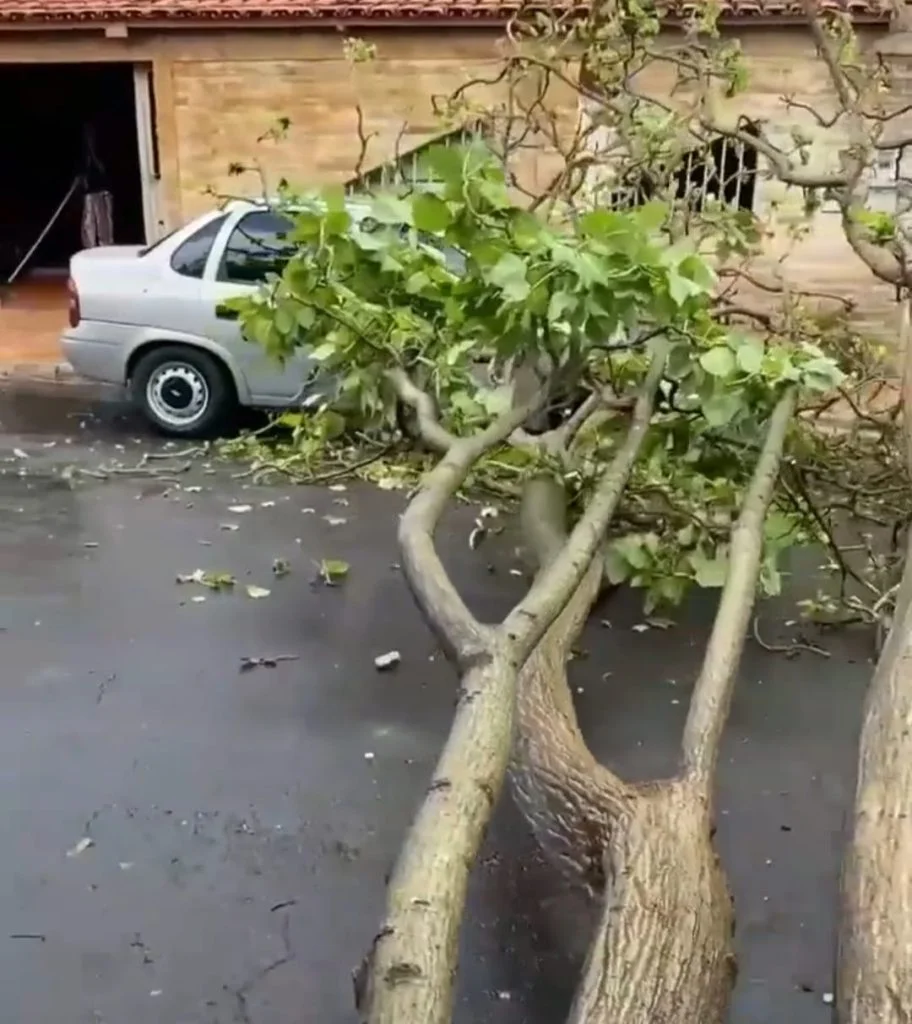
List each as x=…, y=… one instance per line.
x=33, y=313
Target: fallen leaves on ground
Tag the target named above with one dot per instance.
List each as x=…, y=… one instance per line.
x=212, y=580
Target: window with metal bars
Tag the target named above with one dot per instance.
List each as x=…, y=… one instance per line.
x=724, y=171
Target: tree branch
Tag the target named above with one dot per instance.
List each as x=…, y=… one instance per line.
x=526, y=624
x=429, y=426
x=712, y=694
x=462, y=636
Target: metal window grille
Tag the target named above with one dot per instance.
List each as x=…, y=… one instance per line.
x=406, y=169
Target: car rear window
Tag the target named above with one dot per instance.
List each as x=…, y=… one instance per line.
x=189, y=258
x=258, y=246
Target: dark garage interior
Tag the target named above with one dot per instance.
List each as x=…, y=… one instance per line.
x=65, y=123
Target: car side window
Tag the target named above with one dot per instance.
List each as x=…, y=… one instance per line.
x=189, y=258
x=258, y=246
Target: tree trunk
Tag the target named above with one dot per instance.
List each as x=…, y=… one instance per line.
x=662, y=950
x=874, y=975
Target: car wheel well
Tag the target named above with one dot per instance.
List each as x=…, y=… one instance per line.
x=151, y=346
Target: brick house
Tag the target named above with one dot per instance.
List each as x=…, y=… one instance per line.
x=156, y=98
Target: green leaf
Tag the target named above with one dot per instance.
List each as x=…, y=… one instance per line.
x=718, y=361
x=750, y=357
x=721, y=408
x=430, y=213
x=560, y=303
x=681, y=288
x=617, y=567
x=257, y=593
x=709, y=572
x=323, y=352
x=509, y=274
x=306, y=317
x=332, y=571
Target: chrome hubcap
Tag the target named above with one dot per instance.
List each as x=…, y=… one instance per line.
x=178, y=394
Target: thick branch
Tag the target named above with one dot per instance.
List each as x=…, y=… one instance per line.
x=526, y=624
x=429, y=426
x=712, y=695
x=462, y=636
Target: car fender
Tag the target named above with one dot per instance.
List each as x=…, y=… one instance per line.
x=151, y=337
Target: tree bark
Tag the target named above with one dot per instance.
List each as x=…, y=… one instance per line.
x=662, y=950
x=874, y=971
x=408, y=975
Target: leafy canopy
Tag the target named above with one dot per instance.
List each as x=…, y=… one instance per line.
x=443, y=280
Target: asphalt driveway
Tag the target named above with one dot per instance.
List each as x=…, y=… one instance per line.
x=191, y=843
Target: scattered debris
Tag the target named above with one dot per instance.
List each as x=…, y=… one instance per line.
x=332, y=570
x=29, y=935
x=335, y=520
x=198, y=598
x=386, y=661
x=309, y=511
x=659, y=623
x=828, y=998
x=257, y=592
x=266, y=661
x=193, y=489
x=267, y=504
x=125, y=865
x=343, y=502
x=368, y=755
x=81, y=846
x=239, y=509
x=20, y=454
x=90, y=544
x=338, y=488
x=640, y=627
x=605, y=623
x=516, y=572
x=281, y=566
x=212, y=580
x=791, y=649
x=283, y=905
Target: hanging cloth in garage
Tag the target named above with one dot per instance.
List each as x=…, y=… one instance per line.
x=97, y=219
x=98, y=202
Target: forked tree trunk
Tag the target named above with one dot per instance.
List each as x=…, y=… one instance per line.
x=662, y=951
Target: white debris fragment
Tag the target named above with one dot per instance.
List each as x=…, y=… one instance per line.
x=308, y=511
x=81, y=846
x=231, y=527
x=335, y=520
x=368, y=755
x=338, y=488
x=20, y=454
x=238, y=509
x=125, y=865
x=198, y=598
x=828, y=998
x=388, y=660
x=267, y=504
x=193, y=489
x=257, y=592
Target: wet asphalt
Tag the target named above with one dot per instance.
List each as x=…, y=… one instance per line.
x=242, y=823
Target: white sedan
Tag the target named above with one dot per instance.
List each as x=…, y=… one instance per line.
x=148, y=317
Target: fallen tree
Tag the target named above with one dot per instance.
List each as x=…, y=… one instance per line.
x=639, y=408
x=617, y=368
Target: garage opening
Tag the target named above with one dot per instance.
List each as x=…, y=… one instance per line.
x=69, y=130
x=67, y=127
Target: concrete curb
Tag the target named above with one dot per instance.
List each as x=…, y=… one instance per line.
x=51, y=378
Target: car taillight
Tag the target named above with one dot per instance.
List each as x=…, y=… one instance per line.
x=73, y=303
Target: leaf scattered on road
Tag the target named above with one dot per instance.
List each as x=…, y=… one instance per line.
x=338, y=488
x=257, y=592
x=212, y=580
x=383, y=662
x=238, y=509
x=336, y=520
x=281, y=567
x=332, y=571
x=231, y=527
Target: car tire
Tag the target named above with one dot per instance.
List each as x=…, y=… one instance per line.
x=183, y=391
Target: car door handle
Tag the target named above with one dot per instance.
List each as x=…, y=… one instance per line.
x=225, y=313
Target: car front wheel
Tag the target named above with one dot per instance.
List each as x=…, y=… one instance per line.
x=183, y=392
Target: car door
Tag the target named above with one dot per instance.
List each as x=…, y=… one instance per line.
x=252, y=245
